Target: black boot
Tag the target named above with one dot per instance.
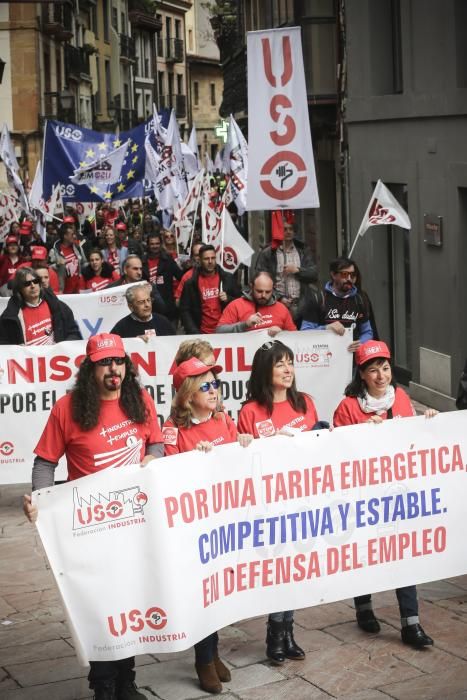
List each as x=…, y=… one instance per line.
x=128, y=691
x=367, y=621
x=291, y=649
x=275, y=642
x=105, y=691
x=416, y=636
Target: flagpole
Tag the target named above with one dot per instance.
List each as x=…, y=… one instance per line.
x=194, y=220
x=354, y=244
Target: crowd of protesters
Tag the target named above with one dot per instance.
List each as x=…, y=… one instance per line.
x=188, y=291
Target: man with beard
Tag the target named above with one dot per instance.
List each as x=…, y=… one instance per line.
x=81, y=426
x=206, y=294
x=161, y=270
x=256, y=309
x=339, y=305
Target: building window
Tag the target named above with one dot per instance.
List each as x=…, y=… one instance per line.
x=105, y=12
x=460, y=14
x=179, y=84
x=319, y=45
x=385, y=47
x=98, y=101
x=93, y=20
x=190, y=40
x=126, y=96
x=212, y=90
x=168, y=27
x=196, y=93
x=178, y=29
x=148, y=101
x=139, y=105
x=108, y=89
x=115, y=19
x=160, y=84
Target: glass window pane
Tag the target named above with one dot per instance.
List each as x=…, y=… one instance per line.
x=319, y=56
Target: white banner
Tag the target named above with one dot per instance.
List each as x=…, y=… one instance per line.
x=94, y=312
x=258, y=529
x=33, y=378
x=281, y=164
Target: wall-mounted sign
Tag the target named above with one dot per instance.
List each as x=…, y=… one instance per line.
x=433, y=229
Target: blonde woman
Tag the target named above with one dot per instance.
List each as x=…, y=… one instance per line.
x=194, y=424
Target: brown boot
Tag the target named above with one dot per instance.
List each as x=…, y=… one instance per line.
x=208, y=678
x=223, y=672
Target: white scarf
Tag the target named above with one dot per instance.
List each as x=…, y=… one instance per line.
x=370, y=404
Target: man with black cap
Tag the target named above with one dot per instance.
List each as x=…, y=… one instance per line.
x=82, y=426
x=34, y=315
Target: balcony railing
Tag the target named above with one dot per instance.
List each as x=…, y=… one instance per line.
x=57, y=20
x=76, y=62
x=126, y=118
x=174, y=50
x=53, y=109
x=176, y=102
x=142, y=14
x=127, y=48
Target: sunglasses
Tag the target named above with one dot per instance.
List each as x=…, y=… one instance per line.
x=107, y=361
x=29, y=283
x=205, y=386
x=268, y=344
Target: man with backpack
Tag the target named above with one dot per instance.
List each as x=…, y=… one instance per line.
x=338, y=305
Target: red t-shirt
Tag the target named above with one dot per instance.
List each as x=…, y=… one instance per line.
x=181, y=284
x=211, y=308
x=153, y=264
x=254, y=419
x=38, y=329
x=218, y=430
x=8, y=268
x=97, y=282
x=349, y=412
x=114, y=442
x=72, y=270
x=276, y=314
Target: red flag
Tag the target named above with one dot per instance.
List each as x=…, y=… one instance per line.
x=277, y=229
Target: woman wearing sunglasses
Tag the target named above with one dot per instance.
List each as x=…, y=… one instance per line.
x=196, y=423
x=274, y=405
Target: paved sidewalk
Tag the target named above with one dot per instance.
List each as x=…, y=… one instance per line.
x=37, y=661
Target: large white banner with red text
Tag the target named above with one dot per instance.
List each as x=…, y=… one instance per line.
x=33, y=378
x=281, y=168
x=94, y=312
x=288, y=522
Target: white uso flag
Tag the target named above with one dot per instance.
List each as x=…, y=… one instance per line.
x=281, y=168
x=235, y=249
x=105, y=170
x=383, y=209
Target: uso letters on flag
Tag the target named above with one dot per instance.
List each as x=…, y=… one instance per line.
x=281, y=165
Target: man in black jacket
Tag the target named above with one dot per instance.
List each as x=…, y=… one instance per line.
x=160, y=269
x=34, y=315
x=292, y=270
x=206, y=293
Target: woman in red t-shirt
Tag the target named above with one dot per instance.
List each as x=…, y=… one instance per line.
x=98, y=274
x=274, y=405
x=196, y=423
x=372, y=397
x=113, y=251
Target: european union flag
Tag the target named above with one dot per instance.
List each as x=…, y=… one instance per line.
x=68, y=147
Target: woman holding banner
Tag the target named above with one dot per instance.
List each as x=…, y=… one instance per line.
x=195, y=423
x=372, y=397
x=274, y=405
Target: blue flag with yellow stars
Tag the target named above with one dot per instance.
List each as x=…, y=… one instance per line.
x=68, y=147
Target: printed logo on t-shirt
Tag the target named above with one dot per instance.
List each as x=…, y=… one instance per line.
x=129, y=454
x=265, y=428
x=160, y=279
x=150, y=331
x=170, y=435
x=210, y=292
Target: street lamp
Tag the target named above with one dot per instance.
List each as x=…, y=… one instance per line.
x=112, y=111
x=2, y=68
x=67, y=100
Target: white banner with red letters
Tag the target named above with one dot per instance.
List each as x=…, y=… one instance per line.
x=33, y=378
x=288, y=522
x=281, y=168
x=94, y=312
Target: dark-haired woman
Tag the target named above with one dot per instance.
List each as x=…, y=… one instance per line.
x=372, y=397
x=98, y=274
x=196, y=423
x=273, y=405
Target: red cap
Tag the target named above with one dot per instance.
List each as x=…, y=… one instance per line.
x=38, y=252
x=26, y=224
x=69, y=220
x=192, y=368
x=370, y=351
x=11, y=239
x=120, y=226
x=104, y=345
x=24, y=231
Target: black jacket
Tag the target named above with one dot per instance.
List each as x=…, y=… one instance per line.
x=63, y=321
x=167, y=270
x=307, y=274
x=128, y=327
x=190, y=302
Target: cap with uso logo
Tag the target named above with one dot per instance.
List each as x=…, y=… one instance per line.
x=104, y=345
x=38, y=252
x=192, y=368
x=370, y=351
